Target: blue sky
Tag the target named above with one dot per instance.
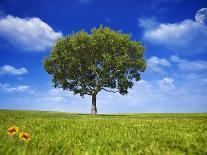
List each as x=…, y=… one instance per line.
x=174, y=33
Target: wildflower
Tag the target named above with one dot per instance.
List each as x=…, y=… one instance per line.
x=13, y=130
x=24, y=136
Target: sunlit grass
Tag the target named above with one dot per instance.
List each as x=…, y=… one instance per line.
x=65, y=133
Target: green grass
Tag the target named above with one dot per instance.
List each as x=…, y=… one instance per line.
x=66, y=133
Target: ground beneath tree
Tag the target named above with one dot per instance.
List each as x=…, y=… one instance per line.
x=67, y=133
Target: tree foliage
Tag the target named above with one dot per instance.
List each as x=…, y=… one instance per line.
x=87, y=63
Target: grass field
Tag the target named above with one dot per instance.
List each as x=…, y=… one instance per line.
x=66, y=133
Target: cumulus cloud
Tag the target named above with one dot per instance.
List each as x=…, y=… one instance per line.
x=187, y=36
x=10, y=70
x=175, y=65
x=156, y=64
x=187, y=65
x=56, y=95
x=166, y=83
x=56, y=99
x=164, y=95
x=148, y=23
x=28, y=34
x=12, y=89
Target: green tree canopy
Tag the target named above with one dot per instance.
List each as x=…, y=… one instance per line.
x=87, y=63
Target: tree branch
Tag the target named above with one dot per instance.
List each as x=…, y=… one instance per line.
x=88, y=93
x=100, y=84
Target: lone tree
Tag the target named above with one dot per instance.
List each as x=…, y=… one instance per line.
x=87, y=63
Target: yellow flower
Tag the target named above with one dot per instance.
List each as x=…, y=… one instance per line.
x=24, y=136
x=13, y=130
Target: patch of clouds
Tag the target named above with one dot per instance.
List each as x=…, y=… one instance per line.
x=54, y=95
x=10, y=70
x=184, y=92
x=176, y=59
x=187, y=65
x=188, y=36
x=175, y=64
x=156, y=64
x=164, y=95
x=13, y=89
x=57, y=95
x=148, y=23
x=54, y=99
x=146, y=96
x=28, y=34
x=57, y=99
x=166, y=83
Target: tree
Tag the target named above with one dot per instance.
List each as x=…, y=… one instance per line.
x=102, y=60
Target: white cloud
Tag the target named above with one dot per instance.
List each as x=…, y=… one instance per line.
x=56, y=95
x=56, y=99
x=193, y=65
x=28, y=34
x=158, y=61
x=176, y=59
x=55, y=92
x=187, y=36
x=10, y=70
x=187, y=65
x=148, y=23
x=146, y=96
x=166, y=83
x=156, y=64
x=11, y=89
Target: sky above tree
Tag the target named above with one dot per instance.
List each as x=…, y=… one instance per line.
x=174, y=33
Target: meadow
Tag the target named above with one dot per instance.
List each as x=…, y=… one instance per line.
x=71, y=133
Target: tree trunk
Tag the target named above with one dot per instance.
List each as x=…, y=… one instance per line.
x=93, y=108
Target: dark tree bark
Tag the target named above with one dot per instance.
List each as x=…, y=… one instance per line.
x=93, y=108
